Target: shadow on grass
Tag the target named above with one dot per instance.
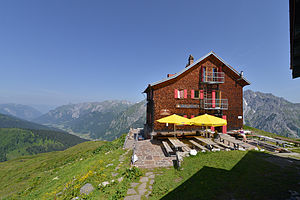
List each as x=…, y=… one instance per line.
x=256, y=176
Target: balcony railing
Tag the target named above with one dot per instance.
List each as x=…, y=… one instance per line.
x=215, y=104
x=213, y=77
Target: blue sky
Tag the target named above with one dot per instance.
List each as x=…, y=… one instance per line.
x=59, y=52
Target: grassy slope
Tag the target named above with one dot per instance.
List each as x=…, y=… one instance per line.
x=261, y=132
x=265, y=133
x=211, y=175
x=228, y=175
x=44, y=175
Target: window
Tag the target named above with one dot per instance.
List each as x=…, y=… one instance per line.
x=214, y=74
x=197, y=94
x=180, y=94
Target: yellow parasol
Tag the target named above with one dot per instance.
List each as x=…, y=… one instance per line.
x=174, y=119
x=208, y=120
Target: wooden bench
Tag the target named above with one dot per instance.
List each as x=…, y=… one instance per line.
x=198, y=145
x=224, y=145
x=186, y=148
x=218, y=146
x=167, y=148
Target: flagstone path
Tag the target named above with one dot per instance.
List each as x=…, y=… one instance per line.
x=143, y=188
x=151, y=155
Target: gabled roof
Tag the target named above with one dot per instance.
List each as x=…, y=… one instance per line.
x=195, y=63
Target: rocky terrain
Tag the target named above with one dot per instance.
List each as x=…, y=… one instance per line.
x=270, y=113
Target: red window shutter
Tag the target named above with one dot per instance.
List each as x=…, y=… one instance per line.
x=213, y=96
x=192, y=116
x=192, y=94
x=185, y=116
x=176, y=94
x=212, y=128
x=201, y=94
x=185, y=93
x=224, y=129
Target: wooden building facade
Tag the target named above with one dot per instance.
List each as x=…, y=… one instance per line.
x=208, y=85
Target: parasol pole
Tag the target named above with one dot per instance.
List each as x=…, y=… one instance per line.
x=174, y=129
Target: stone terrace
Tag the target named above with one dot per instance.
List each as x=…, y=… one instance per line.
x=151, y=155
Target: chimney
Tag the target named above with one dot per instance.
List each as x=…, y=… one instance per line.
x=191, y=60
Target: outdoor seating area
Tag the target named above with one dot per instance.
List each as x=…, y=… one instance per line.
x=191, y=145
x=224, y=142
x=182, y=143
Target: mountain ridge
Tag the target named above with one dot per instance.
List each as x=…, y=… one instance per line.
x=20, y=111
x=271, y=113
x=8, y=121
x=105, y=120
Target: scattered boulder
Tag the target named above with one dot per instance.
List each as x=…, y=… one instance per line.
x=59, y=194
x=110, y=164
x=103, y=184
x=120, y=179
x=115, y=174
x=86, y=189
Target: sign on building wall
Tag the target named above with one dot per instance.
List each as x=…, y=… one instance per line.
x=187, y=106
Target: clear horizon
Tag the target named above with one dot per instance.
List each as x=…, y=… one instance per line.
x=57, y=52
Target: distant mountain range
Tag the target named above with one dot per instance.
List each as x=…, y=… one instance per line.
x=7, y=121
x=270, y=113
x=105, y=120
x=20, y=111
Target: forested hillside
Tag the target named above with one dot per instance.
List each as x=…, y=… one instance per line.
x=15, y=142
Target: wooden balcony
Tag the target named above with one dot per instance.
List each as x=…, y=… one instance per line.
x=213, y=77
x=214, y=104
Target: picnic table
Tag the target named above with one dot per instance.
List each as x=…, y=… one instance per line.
x=167, y=148
x=211, y=144
x=199, y=145
x=176, y=143
x=236, y=143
